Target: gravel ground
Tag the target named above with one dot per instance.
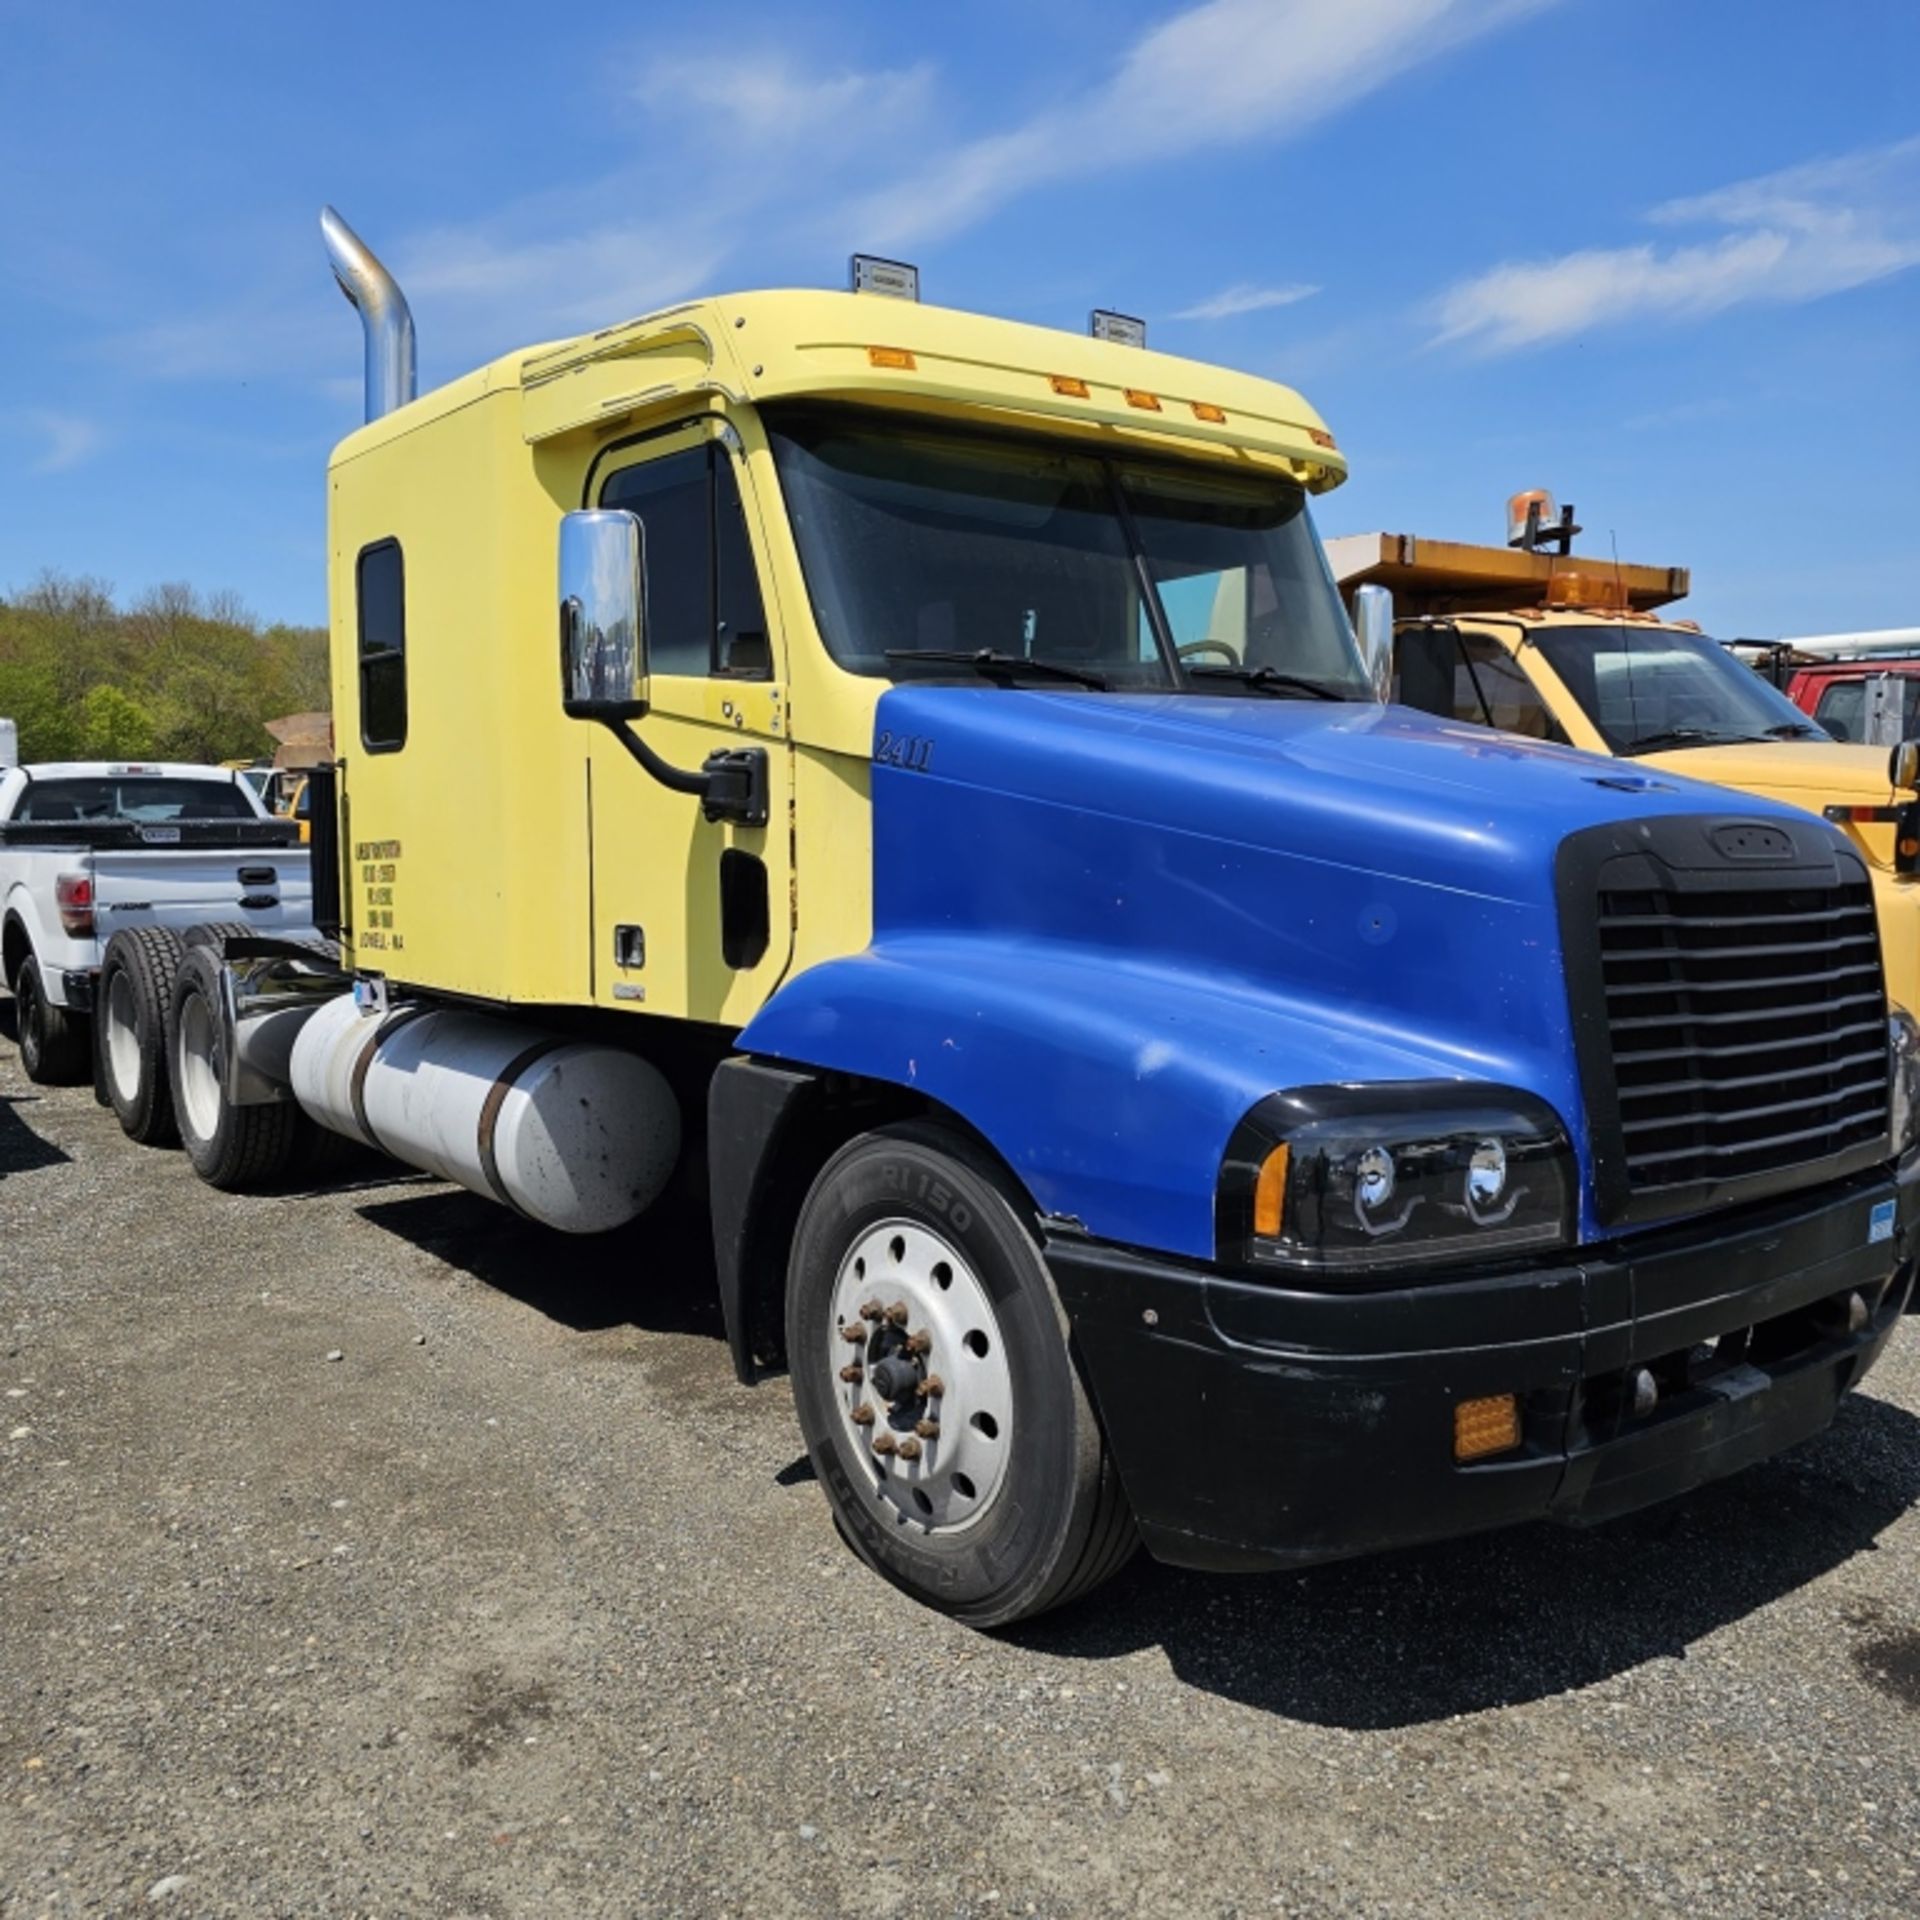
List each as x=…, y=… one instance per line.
x=370, y=1552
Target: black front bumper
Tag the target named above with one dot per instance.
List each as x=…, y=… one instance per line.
x=1257, y=1425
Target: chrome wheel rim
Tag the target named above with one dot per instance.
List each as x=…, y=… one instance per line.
x=123, y=1038
x=920, y=1377
x=199, y=1084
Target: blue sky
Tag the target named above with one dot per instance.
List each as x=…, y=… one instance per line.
x=1658, y=255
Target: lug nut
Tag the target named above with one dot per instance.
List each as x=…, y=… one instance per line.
x=932, y=1387
x=921, y=1342
x=857, y=1335
x=884, y=1443
x=909, y=1449
x=853, y=1375
x=871, y=1311
x=897, y=1314
x=863, y=1415
x=927, y=1429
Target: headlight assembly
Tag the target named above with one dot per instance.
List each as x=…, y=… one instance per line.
x=1350, y=1181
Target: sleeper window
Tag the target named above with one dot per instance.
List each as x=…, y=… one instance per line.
x=382, y=602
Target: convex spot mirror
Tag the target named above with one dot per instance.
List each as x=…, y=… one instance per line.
x=1373, y=629
x=1903, y=765
x=603, y=615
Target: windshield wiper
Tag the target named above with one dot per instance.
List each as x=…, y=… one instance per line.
x=996, y=665
x=1692, y=737
x=1792, y=730
x=1269, y=680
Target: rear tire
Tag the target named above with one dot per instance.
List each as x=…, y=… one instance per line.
x=54, y=1043
x=947, y=1506
x=232, y=1147
x=133, y=1009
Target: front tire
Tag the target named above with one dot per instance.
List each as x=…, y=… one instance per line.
x=133, y=1007
x=935, y=1388
x=232, y=1147
x=53, y=1042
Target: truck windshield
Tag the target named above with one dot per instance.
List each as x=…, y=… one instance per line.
x=919, y=540
x=132, y=797
x=1645, y=688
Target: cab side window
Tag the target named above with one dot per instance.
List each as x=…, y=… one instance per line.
x=1466, y=676
x=1842, y=709
x=704, y=613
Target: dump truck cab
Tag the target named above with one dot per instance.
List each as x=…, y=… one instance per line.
x=1585, y=651
x=911, y=773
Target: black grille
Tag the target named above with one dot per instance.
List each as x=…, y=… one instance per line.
x=1748, y=1028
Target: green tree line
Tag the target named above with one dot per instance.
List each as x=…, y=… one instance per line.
x=175, y=676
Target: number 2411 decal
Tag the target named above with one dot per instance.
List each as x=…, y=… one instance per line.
x=914, y=752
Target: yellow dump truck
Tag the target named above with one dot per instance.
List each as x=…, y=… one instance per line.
x=1581, y=650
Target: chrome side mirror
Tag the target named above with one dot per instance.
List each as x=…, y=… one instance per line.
x=1373, y=629
x=1903, y=765
x=603, y=615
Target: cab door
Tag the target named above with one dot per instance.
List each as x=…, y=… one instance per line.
x=691, y=917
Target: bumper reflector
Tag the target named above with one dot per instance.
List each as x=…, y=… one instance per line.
x=1481, y=1427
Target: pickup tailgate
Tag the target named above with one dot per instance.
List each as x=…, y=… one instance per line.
x=267, y=889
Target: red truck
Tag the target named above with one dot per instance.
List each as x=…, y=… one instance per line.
x=1859, y=686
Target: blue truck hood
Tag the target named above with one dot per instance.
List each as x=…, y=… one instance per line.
x=1105, y=926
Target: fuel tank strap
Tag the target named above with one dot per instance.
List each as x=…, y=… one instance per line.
x=490, y=1115
x=357, y=1088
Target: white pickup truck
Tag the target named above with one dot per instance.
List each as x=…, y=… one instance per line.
x=89, y=848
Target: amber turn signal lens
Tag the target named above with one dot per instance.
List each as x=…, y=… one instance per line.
x=891, y=357
x=1139, y=397
x=1067, y=384
x=1481, y=1427
x=1270, y=1195
x=1206, y=410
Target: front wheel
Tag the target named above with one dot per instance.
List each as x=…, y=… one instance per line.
x=53, y=1042
x=935, y=1388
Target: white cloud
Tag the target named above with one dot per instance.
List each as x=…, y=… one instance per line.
x=66, y=440
x=1218, y=74
x=1789, y=236
x=1230, y=302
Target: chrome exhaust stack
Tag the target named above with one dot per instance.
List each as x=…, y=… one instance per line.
x=385, y=318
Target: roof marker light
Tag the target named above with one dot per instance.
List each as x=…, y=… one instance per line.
x=1066, y=383
x=894, y=278
x=1138, y=397
x=891, y=357
x=1320, y=436
x=1121, y=328
x=1206, y=410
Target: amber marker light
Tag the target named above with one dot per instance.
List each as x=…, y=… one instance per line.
x=1270, y=1195
x=1320, y=436
x=1206, y=410
x=892, y=357
x=1481, y=1427
x=1067, y=384
x=1146, y=402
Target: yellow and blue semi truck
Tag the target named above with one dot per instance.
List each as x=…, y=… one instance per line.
x=913, y=773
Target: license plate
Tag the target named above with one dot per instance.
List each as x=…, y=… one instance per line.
x=1880, y=1222
x=160, y=836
